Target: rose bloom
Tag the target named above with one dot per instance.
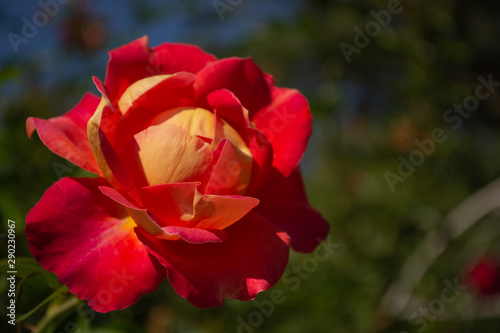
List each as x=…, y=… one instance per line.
x=484, y=277
x=197, y=180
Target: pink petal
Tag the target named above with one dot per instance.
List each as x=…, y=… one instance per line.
x=286, y=206
x=287, y=124
x=251, y=260
x=88, y=241
x=240, y=76
x=136, y=60
x=66, y=135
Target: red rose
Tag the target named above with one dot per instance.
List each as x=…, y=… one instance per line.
x=197, y=163
x=484, y=277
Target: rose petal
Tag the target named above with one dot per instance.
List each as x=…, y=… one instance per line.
x=171, y=58
x=89, y=242
x=117, y=172
x=137, y=89
x=286, y=206
x=231, y=174
x=240, y=76
x=171, y=204
x=228, y=107
x=263, y=173
x=139, y=215
x=172, y=92
x=66, y=135
x=136, y=60
x=287, y=124
x=198, y=236
x=251, y=260
x=224, y=131
x=182, y=205
x=93, y=130
x=166, y=153
x=220, y=212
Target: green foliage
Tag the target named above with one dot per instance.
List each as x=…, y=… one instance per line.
x=28, y=266
x=33, y=292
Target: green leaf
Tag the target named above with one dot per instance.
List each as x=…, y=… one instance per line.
x=33, y=292
x=26, y=266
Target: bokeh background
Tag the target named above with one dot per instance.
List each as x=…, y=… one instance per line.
x=399, y=244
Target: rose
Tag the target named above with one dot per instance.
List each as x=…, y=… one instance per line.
x=197, y=163
x=484, y=276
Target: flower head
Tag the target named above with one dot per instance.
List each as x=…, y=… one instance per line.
x=197, y=180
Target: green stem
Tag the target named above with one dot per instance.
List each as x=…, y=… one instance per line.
x=61, y=310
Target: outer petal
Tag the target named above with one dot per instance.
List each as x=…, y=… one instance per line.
x=286, y=205
x=240, y=76
x=287, y=124
x=251, y=260
x=136, y=60
x=171, y=58
x=89, y=242
x=66, y=135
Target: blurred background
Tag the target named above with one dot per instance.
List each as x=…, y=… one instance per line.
x=403, y=161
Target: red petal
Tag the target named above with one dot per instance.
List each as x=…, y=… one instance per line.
x=229, y=108
x=136, y=60
x=66, y=135
x=169, y=202
x=287, y=124
x=171, y=58
x=171, y=93
x=198, y=236
x=88, y=240
x=286, y=205
x=262, y=152
x=118, y=197
x=251, y=260
x=121, y=178
x=182, y=205
x=231, y=174
x=240, y=76
x=139, y=215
